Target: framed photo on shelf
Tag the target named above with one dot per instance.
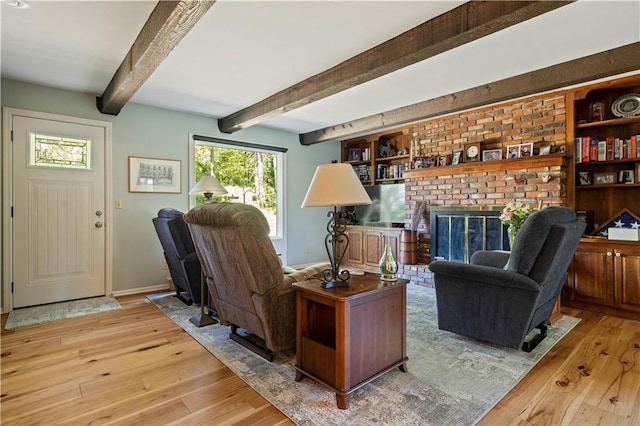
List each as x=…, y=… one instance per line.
x=545, y=150
x=526, y=150
x=626, y=176
x=585, y=178
x=443, y=160
x=354, y=154
x=637, y=172
x=457, y=156
x=605, y=178
x=156, y=175
x=492, y=154
x=513, y=151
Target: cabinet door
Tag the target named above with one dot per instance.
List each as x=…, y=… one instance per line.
x=373, y=247
x=627, y=277
x=591, y=275
x=353, y=256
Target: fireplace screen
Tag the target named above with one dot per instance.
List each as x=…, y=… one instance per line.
x=458, y=232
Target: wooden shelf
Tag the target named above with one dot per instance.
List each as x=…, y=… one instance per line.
x=613, y=122
x=395, y=157
x=600, y=163
x=612, y=185
x=491, y=166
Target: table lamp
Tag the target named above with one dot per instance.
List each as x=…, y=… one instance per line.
x=335, y=185
x=209, y=186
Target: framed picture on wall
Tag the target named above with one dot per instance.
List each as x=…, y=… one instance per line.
x=526, y=150
x=457, y=156
x=156, y=175
x=513, y=151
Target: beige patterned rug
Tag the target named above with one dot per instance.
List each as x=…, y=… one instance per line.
x=24, y=317
x=452, y=380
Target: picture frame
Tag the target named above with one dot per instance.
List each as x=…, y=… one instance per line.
x=626, y=176
x=605, y=178
x=354, y=154
x=455, y=158
x=526, y=150
x=544, y=150
x=157, y=175
x=492, y=154
x=513, y=151
x=585, y=178
x=444, y=160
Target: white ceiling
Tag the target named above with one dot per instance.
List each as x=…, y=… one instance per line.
x=243, y=51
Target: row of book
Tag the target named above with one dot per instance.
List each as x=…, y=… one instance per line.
x=363, y=171
x=589, y=148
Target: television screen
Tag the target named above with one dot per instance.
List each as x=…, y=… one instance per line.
x=387, y=207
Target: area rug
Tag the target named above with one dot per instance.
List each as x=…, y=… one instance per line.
x=452, y=380
x=24, y=317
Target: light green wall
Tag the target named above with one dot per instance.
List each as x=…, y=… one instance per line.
x=154, y=132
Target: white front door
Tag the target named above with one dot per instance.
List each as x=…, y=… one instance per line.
x=59, y=218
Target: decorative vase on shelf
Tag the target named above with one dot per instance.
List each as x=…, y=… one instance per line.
x=512, y=231
x=388, y=265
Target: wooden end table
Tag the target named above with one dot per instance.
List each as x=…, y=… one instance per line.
x=346, y=337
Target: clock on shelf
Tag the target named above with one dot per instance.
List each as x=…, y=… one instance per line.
x=472, y=152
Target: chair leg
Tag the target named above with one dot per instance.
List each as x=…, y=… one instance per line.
x=184, y=299
x=247, y=343
x=535, y=340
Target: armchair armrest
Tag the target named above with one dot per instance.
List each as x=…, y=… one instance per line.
x=485, y=274
x=494, y=258
x=301, y=275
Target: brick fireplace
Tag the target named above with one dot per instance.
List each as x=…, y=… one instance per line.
x=540, y=120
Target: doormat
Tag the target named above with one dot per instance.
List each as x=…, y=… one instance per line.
x=24, y=317
x=451, y=380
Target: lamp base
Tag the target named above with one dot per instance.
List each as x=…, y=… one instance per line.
x=335, y=283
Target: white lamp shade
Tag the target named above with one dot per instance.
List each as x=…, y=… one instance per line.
x=335, y=184
x=208, y=184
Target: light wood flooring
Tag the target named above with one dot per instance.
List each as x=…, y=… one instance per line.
x=135, y=366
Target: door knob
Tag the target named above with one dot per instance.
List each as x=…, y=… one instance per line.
x=98, y=224
x=98, y=213
x=609, y=253
x=618, y=254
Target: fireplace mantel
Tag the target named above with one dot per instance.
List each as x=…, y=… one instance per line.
x=552, y=160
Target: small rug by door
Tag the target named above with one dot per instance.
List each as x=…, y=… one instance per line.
x=451, y=380
x=24, y=317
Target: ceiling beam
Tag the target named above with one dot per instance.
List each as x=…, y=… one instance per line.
x=168, y=23
x=600, y=65
x=464, y=24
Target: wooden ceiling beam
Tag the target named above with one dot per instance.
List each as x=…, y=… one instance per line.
x=167, y=25
x=464, y=24
x=600, y=65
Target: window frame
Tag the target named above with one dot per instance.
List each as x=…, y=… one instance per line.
x=280, y=156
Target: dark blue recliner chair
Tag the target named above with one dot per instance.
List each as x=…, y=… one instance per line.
x=180, y=254
x=500, y=297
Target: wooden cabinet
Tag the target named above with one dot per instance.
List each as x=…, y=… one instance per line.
x=346, y=337
x=380, y=157
x=366, y=245
x=604, y=274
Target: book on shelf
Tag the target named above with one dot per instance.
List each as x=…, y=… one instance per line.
x=577, y=143
x=602, y=150
x=635, y=139
x=593, y=149
x=610, y=147
x=586, y=148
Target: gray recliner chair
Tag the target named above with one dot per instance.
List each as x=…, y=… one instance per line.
x=500, y=297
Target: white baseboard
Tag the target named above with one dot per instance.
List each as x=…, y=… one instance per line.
x=159, y=287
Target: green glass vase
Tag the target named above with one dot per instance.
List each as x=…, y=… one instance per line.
x=388, y=265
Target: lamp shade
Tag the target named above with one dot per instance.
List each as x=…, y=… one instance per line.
x=335, y=184
x=208, y=184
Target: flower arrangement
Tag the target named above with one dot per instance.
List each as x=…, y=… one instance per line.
x=514, y=214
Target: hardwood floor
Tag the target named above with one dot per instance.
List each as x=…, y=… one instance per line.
x=135, y=366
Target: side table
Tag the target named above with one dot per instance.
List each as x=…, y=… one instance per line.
x=346, y=337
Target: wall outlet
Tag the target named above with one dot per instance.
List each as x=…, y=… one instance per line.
x=164, y=265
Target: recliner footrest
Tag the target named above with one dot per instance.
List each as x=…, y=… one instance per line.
x=530, y=345
x=249, y=341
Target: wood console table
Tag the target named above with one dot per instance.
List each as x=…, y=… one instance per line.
x=346, y=337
